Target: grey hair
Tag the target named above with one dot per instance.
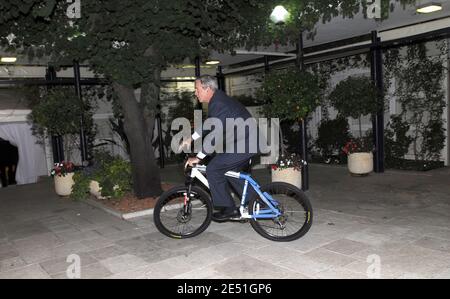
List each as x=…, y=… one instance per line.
x=208, y=81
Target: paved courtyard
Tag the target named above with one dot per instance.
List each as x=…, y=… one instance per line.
x=394, y=225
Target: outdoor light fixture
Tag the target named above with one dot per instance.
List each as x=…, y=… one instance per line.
x=8, y=59
x=212, y=62
x=279, y=15
x=429, y=8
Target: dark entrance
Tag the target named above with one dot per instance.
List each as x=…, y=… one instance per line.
x=9, y=157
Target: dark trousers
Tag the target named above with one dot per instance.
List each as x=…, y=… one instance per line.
x=219, y=183
x=8, y=175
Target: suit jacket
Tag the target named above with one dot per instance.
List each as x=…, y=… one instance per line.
x=236, y=139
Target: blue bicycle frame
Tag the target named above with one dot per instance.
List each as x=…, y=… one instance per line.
x=269, y=212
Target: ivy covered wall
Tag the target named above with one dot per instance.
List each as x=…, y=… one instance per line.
x=416, y=100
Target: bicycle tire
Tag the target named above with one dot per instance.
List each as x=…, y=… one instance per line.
x=277, y=190
x=167, y=207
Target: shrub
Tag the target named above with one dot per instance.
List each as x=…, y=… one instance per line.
x=332, y=137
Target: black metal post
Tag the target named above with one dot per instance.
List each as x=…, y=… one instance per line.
x=197, y=66
x=83, y=144
x=57, y=141
x=220, y=78
x=300, y=55
x=266, y=64
x=197, y=74
x=160, y=138
x=378, y=119
x=303, y=123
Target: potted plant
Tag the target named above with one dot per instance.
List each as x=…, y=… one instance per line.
x=62, y=174
x=57, y=112
x=287, y=169
x=356, y=97
x=289, y=95
x=360, y=156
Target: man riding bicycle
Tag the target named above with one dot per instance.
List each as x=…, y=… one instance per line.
x=222, y=107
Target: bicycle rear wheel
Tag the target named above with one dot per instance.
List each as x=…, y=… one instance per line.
x=296, y=213
x=178, y=220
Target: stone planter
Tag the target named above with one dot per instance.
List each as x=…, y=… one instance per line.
x=360, y=163
x=288, y=175
x=63, y=184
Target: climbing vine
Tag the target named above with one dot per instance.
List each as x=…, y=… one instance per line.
x=419, y=91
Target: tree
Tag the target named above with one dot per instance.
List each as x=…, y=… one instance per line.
x=131, y=42
x=355, y=97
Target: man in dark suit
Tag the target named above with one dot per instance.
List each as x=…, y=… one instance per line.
x=236, y=148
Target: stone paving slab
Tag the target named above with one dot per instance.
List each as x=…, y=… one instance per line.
x=399, y=219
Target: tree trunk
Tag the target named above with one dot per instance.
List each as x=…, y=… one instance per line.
x=146, y=176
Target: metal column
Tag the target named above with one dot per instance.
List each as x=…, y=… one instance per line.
x=57, y=141
x=160, y=136
x=83, y=144
x=220, y=78
x=303, y=123
x=197, y=74
x=378, y=119
x=266, y=64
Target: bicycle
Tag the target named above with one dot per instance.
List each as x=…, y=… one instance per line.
x=186, y=211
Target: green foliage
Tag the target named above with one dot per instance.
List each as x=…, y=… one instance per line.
x=115, y=178
x=131, y=42
x=397, y=141
x=180, y=105
x=80, y=189
x=421, y=95
x=332, y=136
x=433, y=140
x=290, y=94
x=355, y=97
x=56, y=113
x=144, y=35
x=112, y=173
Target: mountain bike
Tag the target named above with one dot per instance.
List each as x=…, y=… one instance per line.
x=277, y=211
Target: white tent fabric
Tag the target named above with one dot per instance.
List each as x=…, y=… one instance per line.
x=32, y=163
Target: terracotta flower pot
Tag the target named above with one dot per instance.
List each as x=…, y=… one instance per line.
x=63, y=184
x=360, y=163
x=288, y=175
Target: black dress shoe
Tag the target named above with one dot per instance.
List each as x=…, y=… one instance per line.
x=226, y=214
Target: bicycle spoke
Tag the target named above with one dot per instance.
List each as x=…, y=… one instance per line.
x=294, y=218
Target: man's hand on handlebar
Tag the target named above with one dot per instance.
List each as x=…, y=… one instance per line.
x=191, y=162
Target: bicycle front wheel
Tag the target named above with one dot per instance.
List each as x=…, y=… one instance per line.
x=296, y=213
x=177, y=218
